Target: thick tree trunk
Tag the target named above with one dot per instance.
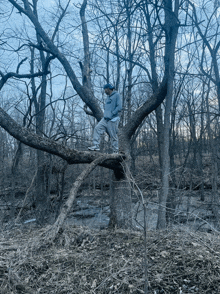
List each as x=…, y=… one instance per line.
x=120, y=202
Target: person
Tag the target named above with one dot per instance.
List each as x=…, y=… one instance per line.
x=109, y=123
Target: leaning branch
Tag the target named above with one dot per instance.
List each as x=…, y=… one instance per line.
x=53, y=231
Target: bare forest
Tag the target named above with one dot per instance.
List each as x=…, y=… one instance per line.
x=145, y=219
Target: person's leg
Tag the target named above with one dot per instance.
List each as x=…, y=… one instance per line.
x=112, y=128
x=98, y=131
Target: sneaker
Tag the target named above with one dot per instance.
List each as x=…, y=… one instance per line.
x=94, y=148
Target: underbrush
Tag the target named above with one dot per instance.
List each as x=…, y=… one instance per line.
x=89, y=261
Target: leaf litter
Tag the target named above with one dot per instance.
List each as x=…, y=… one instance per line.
x=89, y=261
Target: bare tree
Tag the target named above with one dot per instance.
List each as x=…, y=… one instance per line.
x=209, y=36
x=121, y=200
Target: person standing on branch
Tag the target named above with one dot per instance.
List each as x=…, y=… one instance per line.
x=109, y=123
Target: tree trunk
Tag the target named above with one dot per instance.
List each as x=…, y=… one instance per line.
x=214, y=165
x=172, y=30
x=39, y=103
x=160, y=131
x=200, y=151
x=120, y=202
x=161, y=222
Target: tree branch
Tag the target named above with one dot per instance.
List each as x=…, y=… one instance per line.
x=53, y=231
x=45, y=144
x=20, y=63
x=19, y=8
x=87, y=111
x=85, y=94
x=151, y=104
x=59, y=20
x=20, y=76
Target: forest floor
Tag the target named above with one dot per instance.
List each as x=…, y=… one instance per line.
x=83, y=260
x=89, y=258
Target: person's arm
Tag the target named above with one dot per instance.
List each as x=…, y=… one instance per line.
x=118, y=107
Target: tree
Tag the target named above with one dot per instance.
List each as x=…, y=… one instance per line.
x=209, y=37
x=121, y=201
x=208, y=30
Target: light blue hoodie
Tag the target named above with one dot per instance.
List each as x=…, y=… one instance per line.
x=113, y=105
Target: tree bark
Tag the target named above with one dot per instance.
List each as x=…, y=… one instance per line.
x=120, y=203
x=172, y=30
x=41, y=199
x=163, y=195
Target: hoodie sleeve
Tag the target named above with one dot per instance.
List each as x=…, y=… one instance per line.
x=118, y=104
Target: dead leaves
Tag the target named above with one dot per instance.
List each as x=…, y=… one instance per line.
x=112, y=262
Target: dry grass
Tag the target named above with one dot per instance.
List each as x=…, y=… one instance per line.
x=86, y=261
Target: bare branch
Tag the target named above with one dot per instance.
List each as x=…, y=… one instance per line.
x=59, y=20
x=151, y=104
x=20, y=76
x=20, y=63
x=19, y=8
x=85, y=94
